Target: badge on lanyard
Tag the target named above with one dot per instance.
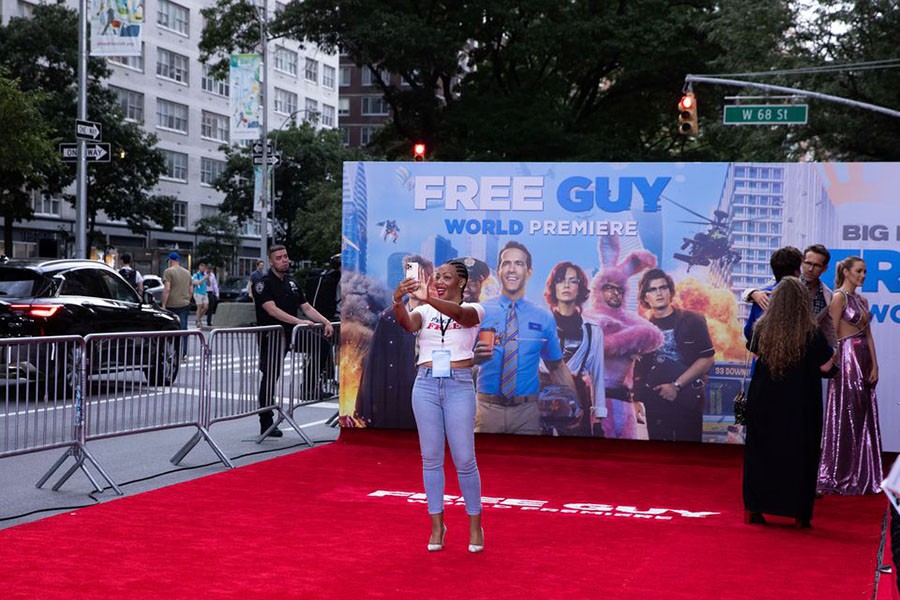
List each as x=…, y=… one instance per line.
x=440, y=363
x=440, y=359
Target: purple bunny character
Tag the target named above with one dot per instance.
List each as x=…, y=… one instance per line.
x=626, y=336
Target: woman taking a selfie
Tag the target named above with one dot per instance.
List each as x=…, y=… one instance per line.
x=443, y=396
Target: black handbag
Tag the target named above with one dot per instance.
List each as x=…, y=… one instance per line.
x=740, y=406
x=740, y=398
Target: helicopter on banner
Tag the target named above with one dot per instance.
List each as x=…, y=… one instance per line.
x=709, y=246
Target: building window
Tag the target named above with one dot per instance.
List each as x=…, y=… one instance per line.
x=45, y=206
x=180, y=209
x=366, y=134
x=279, y=7
x=345, y=76
x=132, y=103
x=207, y=211
x=374, y=105
x=251, y=226
x=132, y=62
x=312, y=70
x=328, y=77
x=171, y=115
x=211, y=170
x=172, y=66
x=173, y=17
x=345, y=136
x=370, y=78
x=176, y=165
x=212, y=84
x=214, y=127
x=285, y=102
x=286, y=61
x=327, y=116
x=343, y=107
x=312, y=109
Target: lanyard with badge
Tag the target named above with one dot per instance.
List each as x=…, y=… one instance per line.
x=440, y=359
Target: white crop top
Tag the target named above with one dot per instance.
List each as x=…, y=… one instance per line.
x=459, y=340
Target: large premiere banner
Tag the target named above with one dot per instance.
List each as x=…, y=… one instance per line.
x=593, y=234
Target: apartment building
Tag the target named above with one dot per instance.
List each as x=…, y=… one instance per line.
x=170, y=93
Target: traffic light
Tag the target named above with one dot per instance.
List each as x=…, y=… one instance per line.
x=687, y=115
x=419, y=152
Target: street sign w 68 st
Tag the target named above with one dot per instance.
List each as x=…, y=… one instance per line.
x=766, y=114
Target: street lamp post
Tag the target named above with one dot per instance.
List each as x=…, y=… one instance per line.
x=264, y=133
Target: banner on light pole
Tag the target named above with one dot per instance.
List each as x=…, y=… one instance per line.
x=246, y=109
x=116, y=27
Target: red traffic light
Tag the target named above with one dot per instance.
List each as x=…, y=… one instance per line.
x=687, y=115
x=419, y=152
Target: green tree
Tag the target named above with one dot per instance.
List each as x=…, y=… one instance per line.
x=222, y=240
x=42, y=52
x=306, y=185
x=839, y=33
x=25, y=154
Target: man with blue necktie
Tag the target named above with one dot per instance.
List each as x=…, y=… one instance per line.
x=524, y=333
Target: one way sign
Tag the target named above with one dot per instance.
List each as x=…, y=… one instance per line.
x=94, y=152
x=87, y=130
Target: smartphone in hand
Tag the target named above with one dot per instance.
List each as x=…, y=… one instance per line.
x=412, y=270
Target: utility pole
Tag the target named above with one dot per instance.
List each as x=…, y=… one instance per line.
x=264, y=133
x=81, y=249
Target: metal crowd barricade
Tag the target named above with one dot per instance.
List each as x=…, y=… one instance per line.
x=148, y=381
x=314, y=372
x=43, y=403
x=238, y=361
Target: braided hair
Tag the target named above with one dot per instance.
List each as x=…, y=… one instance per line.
x=461, y=270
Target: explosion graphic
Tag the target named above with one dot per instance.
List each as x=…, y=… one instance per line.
x=720, y=309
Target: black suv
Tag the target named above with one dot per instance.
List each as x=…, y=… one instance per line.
x=41, y=298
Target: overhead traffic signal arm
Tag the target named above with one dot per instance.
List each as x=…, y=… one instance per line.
x=687, y=115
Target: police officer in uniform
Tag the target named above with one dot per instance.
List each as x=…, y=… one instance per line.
x=277, y=297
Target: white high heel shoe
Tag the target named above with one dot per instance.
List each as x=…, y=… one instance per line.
x=478, y=547
x=436, y=547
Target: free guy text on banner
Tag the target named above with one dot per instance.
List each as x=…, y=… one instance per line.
x=591, y=236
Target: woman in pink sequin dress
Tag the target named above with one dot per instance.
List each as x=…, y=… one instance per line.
x=851, y=445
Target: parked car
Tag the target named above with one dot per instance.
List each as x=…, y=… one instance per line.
x=154, y=286
x=234, y=289
x=40, y=298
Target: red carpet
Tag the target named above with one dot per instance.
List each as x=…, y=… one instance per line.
x=569, y=519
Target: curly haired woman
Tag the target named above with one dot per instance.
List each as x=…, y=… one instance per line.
x=784, y=408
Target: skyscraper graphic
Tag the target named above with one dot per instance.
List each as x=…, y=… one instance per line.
x=757, y=196
x=440, y=248
x=355, y=218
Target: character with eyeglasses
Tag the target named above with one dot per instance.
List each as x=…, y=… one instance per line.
x=581, y=341
x=626, y=337
x=815, y=262
x=670, y=381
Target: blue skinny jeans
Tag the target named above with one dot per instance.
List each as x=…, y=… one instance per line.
x=445, y=409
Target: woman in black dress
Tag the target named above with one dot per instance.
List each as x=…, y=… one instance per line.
x=784, y=408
